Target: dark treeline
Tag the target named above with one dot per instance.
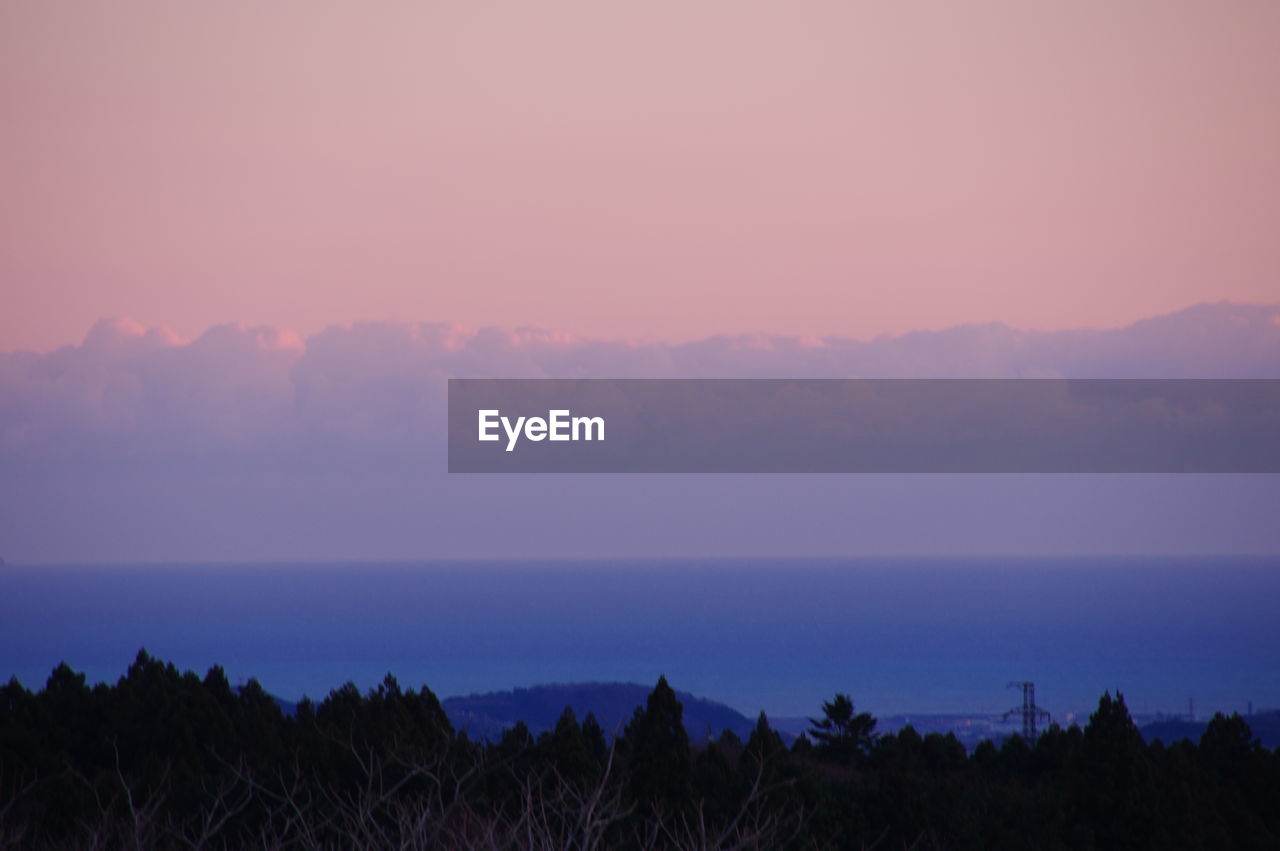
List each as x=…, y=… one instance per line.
x=165, y=759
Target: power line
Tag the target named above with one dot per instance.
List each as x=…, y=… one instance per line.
x=1029, y=712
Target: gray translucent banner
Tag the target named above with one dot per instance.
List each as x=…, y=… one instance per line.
x=864, y=426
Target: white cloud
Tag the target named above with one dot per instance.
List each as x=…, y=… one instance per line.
x=137, y=391
x=252, y=443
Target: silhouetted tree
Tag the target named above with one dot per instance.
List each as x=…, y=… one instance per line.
x=658, y=750
x=841, y=734
x=166, y=759
x=1117, y=783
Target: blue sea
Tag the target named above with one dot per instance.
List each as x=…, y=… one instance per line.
x=900, y=635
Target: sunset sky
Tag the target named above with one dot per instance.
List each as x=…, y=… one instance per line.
x=252, y=240
x=660, y=170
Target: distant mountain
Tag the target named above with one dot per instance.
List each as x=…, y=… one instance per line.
x=487, y=715
x=288, y=707
x=1265, y=727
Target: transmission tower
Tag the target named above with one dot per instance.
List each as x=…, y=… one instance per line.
x=1028, y=710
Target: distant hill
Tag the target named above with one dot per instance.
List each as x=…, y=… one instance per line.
x=487, y=715
x=1265, y=727
x=288, y=707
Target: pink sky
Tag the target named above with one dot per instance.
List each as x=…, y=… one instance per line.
x=654, y=169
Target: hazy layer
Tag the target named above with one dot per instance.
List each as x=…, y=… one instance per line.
x=901, y=635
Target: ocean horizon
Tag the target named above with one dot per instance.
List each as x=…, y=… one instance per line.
x=901, y=635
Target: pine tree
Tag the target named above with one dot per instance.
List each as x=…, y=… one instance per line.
x=841, y=734
x=658, y=750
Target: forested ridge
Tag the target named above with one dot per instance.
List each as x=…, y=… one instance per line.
x=170, y=759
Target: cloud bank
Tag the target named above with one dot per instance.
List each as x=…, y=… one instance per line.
x=254, y=443
x=128, y=388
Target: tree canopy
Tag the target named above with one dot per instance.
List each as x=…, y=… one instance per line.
x=169, y=759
